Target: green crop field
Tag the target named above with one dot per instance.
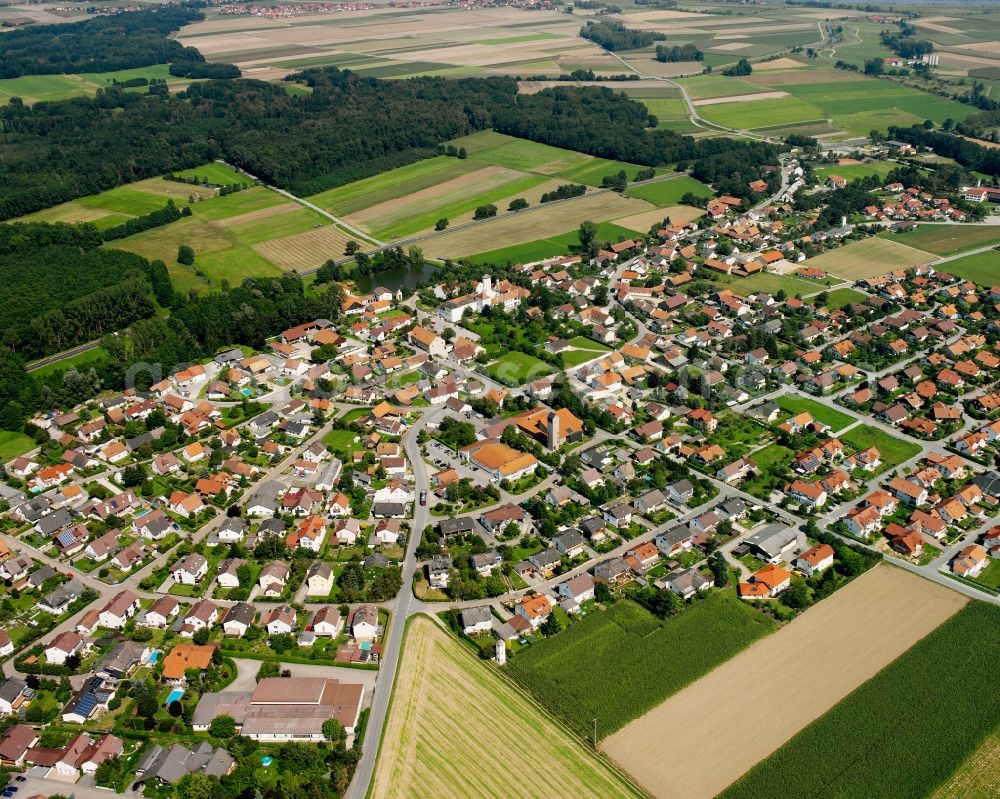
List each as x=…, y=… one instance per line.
x=824, y=414
x=523, y=154
x=947, y=239
x=547, y=248
x=666, y=109
x=618, y=663
x=761, y=113
x=431, y=210
x=594, y=170
x=517, y=368
x=665, y=193
x=13, y=444
x=855, y=171
x=704, y=86
x=894, y=450
x=769, y=282
x=400, y=182
x=902, y=733
x=219, y=174
x=981, y=268
x=83, y=359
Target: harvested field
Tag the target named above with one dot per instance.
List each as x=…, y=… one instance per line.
x=824, y=654
x=778, y=63
x=728, y=46
x=454, y=726
x=979, y=776
x=261, y=213
x=305, y=251
x=535, y=86
x=532, y=225
x=646, y=219
x=741, y=98
x=868, y=258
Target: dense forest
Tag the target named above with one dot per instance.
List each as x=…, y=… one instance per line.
x=60, y=290
x=614, y=36
x=197, y=327
x=126, y=40
x=984, y=126
x=348, y=127
x=684, y=52
x=968, y=154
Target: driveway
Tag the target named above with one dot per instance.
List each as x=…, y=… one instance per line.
x=246, y=674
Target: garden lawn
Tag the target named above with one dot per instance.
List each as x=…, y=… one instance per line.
x=947, y=239
x=980, y=268
x=582, y=673
x=584, y=343
x=894, y=450
x=794, y=404
x=518, y=368
x=341, y=443
x=838, y=298
x=665, y=193
x=547, y=248
x=14, y=444
x=904, y=731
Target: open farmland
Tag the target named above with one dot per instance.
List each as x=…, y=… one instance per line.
x=815, y=661
x=454, y=726
x=870, y=257
x=980, y=268
x=904, y=732
x=854, y=171
x=534, y=224
x=979, y=776
x=669, y=192
x=946, y=239
x=305, y=251
x=607, y=232
x=580, y=674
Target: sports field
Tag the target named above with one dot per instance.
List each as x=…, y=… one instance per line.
x=455, y=729
x=947, y=239
x=980, y=268
x=749, y=706
x=581, y=674
x=870, y=257
x=518, y=368
x=907, y=730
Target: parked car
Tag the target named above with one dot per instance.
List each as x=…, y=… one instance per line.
x=423, y=497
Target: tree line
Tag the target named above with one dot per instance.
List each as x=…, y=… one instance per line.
x=126, y=40
x=684, y=52
x=969, y=154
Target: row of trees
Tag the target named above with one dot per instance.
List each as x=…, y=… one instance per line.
x=684, y=52
x=969, y=154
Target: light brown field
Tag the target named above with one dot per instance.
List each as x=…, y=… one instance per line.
x=934, y=26
x=724, y=36
x=455, y=730
x=753, y=703
x=172, y=189
x=650, y=66
x=797, y=77
x=304, y=251
x=644, y=220
x=460, y=188
x=260, y=213
x=983, y=47
x=740, y=98
x=728, y=46
x=70, y=213
x=979, y=776
x=535, y=86
x=869, y=257
x=778, y=63
x=952, y=59
x=532, y=225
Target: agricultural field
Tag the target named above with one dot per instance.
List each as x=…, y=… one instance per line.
x=980, y=268
x=518, y=368
x=546, y=248
x=80, y=360
x=838, y=298
x=979, y=776
x=793, y=404
x=38, y=88
x=824, y=655
x=947, y=239
x=894, y=450
x=907, y=730
x=580, y=674
x=454, y=726
x=870, y=257
x=665, y=193
x=769, y=282
x=854, y=171
x=533, y=225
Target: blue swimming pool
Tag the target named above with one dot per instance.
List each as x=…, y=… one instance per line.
x=175, y=694
x=246, y=392
x=154, y=657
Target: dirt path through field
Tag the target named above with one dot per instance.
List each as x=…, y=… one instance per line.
x=708, y=735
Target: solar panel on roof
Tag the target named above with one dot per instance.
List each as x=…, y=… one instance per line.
x=86, y=705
